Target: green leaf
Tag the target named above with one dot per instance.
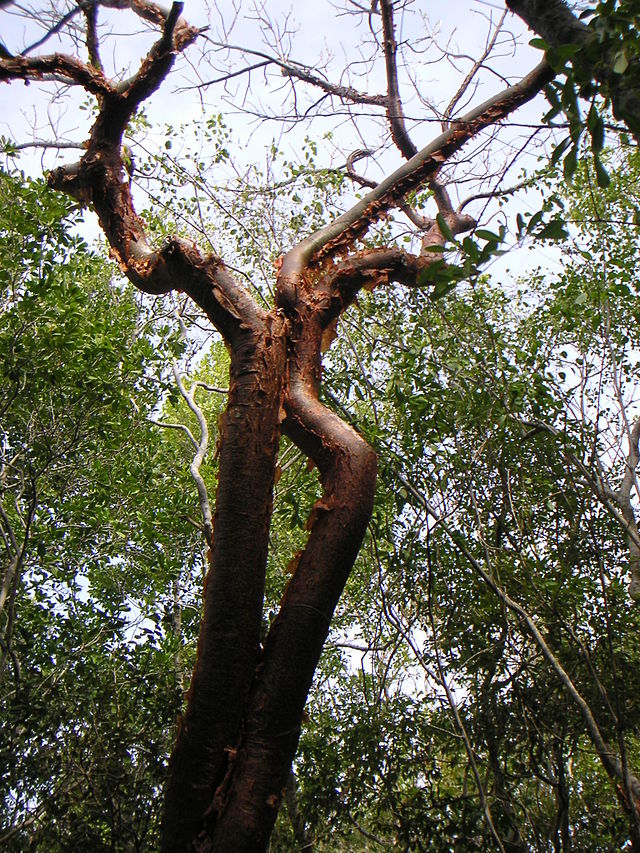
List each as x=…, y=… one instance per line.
x=551, y=93
x=560, y=148
x=621, y=63
x=484, y=234
x=445, y=230
x=570, y=164
x=536, y=219
x=554, y=230
x=597, y=134
x=602, y=176
x=557, y=57
x=442, y=289
x=595, y=125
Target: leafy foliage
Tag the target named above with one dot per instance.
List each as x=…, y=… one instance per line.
x=91, y=668
x=435, y=720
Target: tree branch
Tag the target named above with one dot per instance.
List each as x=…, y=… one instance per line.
x=56, y=66
x=201, y=448
x=395, y=112
x=554, y=21
x=93, y=43
x=342, y=233
x=300, y=72
x=99, y=179
x=477, y=65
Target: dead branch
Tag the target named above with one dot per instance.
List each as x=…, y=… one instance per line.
x=297, y=71
x=201, y=447
x=476, y=66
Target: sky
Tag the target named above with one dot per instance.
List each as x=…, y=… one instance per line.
x=316, y=34
x=313, y=32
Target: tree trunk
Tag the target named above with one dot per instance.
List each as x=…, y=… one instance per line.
x=228, y=646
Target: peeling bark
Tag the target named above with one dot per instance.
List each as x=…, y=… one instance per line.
x=248, y=802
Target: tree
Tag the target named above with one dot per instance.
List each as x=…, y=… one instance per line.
x=78, y=460
x=238, y=735
x=488, y=412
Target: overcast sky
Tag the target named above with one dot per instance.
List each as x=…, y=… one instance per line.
x=313, y=33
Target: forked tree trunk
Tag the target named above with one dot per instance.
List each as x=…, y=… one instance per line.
x=242, y=725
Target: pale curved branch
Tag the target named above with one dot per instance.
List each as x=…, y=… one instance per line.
x=180, y=427
x=623, y=498
x=47, y=144
x=12, y=572
x=201, y=448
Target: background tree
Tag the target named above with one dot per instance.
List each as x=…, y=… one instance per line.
x=239, y=733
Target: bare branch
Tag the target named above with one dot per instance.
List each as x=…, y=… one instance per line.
x=181, y=427
x=43, y=143
x=623, y=498
x=12, y=572
x=440, y=679
x=56, y=28
x=477, y=65
x=346, y=93
x=395, y=112
x=297, y=71
x=496, y=192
